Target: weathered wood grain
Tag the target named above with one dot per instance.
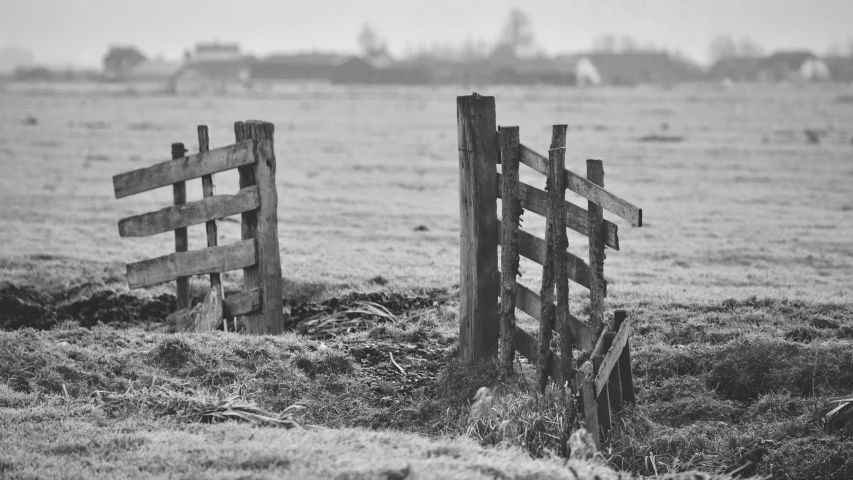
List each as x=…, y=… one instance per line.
x=197, y=262
x=603, y=399
x=611, y=358
x=182, y=169
x=557, y=194
x=586, y=189
x=208, y=191
x=479, y=325
x=193, y=213
x=243, y=303
x=590, y=410
x=614, y=381
x=536, y=201
x=595, y=174
x=533, y=248
x=179, y=197
x=625, y=369
x=510, y=213
x=204, y=317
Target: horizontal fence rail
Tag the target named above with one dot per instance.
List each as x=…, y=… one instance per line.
x=182, y=169
x=193, y=213
x=181, y=264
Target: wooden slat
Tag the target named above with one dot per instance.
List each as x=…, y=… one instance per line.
x=243, y=303
x=179, y=197
x=193, y=213
x=614, y=382
x=536, y=201
x=586, y=189
x=533, y=248
x=625, y=369
x=603, y=399
x=611, y=358
x=511, y=210
x=211, y=259
x=182, y=169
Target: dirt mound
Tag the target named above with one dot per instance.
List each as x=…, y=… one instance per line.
x=393, y=368
x=26, y=306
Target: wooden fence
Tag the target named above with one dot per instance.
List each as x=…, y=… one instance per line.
x=489, y=297
x=258, y=251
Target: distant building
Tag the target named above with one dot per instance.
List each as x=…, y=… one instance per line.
x=216, y=66
x=152, y=71
x=840, y=68
x=355, y=70
x=629, y=68
x=216, y=52
x=120, y=60
x=735, y=69
x=794, y=66
x=302, y=66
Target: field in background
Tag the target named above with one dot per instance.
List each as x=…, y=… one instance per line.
x=742, y=205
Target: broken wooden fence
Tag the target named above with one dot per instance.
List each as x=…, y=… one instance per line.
x=488, y=327
x=257, y=253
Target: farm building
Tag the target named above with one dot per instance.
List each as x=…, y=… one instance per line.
x=150, y=71
x=120, y=60
x=629, y=68
x=211, y=75
x=735, y=69
x=301, y=66
x=794, y=66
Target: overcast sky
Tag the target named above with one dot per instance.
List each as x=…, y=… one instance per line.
x=62, y=32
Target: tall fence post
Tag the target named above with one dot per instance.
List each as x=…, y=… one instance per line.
x=209, y=190
x=478, y=287
x=595, y=174
x=510, y=213
x=179, y=195
x=262, y=225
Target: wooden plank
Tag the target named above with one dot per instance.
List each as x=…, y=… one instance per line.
x=197, y=262
x=614, y=382
x=586, y=189
x=478, y=304
x=193, y=213
x=182, y=169
x=204, y=317
x=536, y=201
x=528, y=302
x=263, y=227
x=603, y=401
x=590, y=410
x=533, y=248
x=611, y=358
x=243, y=303
x=511, y=211
x=625, y=369
x=208, y=191
x=557, y=194
x=595, y=174
x=179, y=197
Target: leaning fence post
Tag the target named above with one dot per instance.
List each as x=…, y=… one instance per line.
x=595, y=174
x=262, y=225
x=625, y=372
x=510, y=213
x=478, y=287
x=179, y=195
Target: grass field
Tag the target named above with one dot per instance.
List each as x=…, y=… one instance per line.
x=739, y=279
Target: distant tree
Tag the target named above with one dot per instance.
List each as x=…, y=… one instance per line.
x=370, y=43
x=604, y=43
x=628, y=44
x=517, y=34
x=725, y=46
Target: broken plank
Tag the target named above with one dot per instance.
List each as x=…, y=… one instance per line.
x=611, y=358
x=243, y=303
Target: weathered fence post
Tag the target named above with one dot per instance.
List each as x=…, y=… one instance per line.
x=595, y=174
x=603, y=398
x=627, y=380
x=209, y=190
x=179, y=194
x=478, y=287
x=614, y=383
x=557, y=156
x=510, y=213
x=262, y=225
